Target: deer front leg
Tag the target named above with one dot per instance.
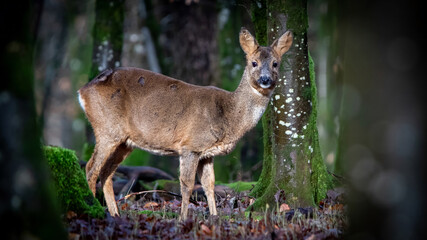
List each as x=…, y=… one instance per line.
x=107, y=173
x=102, y=152
x=187, y=172
x=205, y=170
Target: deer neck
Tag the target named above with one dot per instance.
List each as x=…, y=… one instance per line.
x=250, y=104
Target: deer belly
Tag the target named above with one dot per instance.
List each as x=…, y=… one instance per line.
x=152, y=149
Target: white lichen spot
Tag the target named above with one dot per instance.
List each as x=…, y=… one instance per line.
x=306, y=83
x=282, y=123
x=308, y=161
x=275, y=109
x=288, y=95
x=288, y=100
x=298, y=114
x=295, y=135
x=294, y=145
x=304, y=127
x=289, y=115
x=287, y=124
x=298, y=98
x=301, y=136
x=291, y=110
x=278, y=111
x=293, y=129
x=310, y=148
x=283, y=105
x=288, y=132
x=277, y=97
x=272, y=29
x=291, y=90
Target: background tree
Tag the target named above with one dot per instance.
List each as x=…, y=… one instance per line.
x=292, y=157
x=107, y=41
x=27, y=206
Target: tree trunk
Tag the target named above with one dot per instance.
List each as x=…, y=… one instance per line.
x=292, y=157
x=27, y=205
x=190, y=40
x=107, y=41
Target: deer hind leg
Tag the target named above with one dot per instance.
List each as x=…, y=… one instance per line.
x=106, y=176
x=187, y=172
x=205, y=170
x=100, y=155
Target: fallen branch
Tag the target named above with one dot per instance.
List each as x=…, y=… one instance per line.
x=155, y=191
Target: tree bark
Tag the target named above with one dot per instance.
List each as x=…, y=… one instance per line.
x=27, y=205
x=107, y=42
x=292, y=157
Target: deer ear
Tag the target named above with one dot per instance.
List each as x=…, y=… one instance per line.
x=283, y=44
x=247, y=41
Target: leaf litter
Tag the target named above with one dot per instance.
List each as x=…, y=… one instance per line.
x=148, y=219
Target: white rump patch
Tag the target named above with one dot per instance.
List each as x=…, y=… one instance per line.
x=82, y=102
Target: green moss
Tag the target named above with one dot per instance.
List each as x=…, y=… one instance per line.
x=320, y=179
x=167, y=185
x=72, y=189
x=160, y=214
x=241, y=186
x=297, y=20
x=259, y=18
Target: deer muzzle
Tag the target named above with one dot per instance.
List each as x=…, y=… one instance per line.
x=265, y=81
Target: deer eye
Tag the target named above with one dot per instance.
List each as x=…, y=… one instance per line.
x=254, y=64
x=274, y=64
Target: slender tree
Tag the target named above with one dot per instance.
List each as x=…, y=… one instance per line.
x=292, y=157
x=27, y=206
x=107, y=41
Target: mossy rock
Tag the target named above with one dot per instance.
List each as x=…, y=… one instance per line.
x=71, y=186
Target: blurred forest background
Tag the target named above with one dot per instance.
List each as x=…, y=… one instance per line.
x=195, y=41
x=366, y=55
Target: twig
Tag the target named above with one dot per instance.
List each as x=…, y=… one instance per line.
x=337, y=176
x=156, y=191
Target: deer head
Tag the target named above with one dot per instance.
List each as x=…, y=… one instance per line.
x=263, y=62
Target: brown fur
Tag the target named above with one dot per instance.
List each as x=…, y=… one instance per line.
x=131, y=107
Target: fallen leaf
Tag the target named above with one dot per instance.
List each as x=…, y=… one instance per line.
x=205, y=229
x=124, y=206
x=73, y=236
x=71, y=214
x=151, y=205
x=284, y=207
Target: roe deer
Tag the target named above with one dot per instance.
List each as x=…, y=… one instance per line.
x=130, y=107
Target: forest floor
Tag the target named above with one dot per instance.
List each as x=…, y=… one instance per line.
x=143, y=218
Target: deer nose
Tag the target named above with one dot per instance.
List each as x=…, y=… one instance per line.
x=264, y=81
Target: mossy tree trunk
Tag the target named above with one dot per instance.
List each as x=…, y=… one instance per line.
x=292, y=157
x=107, y=41
x=27, y=206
